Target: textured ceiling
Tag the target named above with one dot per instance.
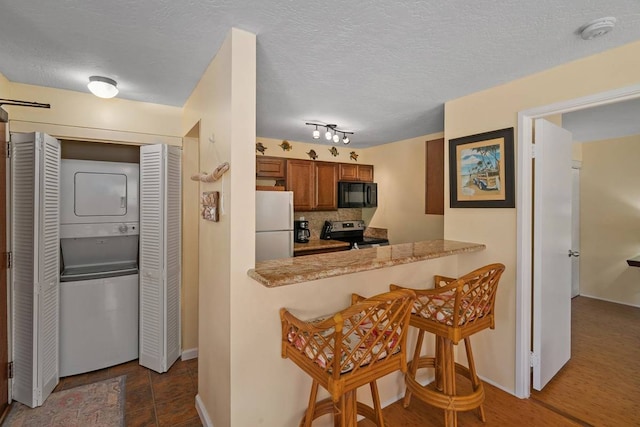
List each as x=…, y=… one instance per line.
x=381, y=69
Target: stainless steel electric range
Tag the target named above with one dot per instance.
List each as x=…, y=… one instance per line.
x=352, y=232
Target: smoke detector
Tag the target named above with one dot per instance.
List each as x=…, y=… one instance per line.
x=597, y=28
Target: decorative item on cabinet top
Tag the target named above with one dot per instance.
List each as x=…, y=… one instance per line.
x=334, y=151
x=312, y=154
x=285, y=145
x=353, y=156
x=213, y=176
x=260, y=148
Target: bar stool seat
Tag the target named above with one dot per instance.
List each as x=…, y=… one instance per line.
x=349, y=349
x=453, y=311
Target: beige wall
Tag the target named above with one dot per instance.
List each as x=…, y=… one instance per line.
x=497, y=108
x=400, y=174
x=299, y=150
x=4, y=86
x=610, y=219
x=224, y=104
x=79, y=115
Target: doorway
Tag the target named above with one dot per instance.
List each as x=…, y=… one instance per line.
x=525, y=218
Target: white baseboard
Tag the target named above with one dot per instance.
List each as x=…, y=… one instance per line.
x=609, y=300
x=191, y=353
x=202, y=412
x=496, y=385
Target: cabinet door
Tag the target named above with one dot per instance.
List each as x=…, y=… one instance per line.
x=326, y=186
x=270, y=167
x=365, y=173
x=300, y=180
x=348, y=172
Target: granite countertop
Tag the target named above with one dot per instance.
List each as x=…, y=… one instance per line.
x=314, y=244
x=288, y=271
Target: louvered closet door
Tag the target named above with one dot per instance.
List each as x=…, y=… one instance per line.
x=35, y=167
x=160, y=239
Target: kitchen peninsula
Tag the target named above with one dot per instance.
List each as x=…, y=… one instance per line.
x=289, y=271
x=316, y=285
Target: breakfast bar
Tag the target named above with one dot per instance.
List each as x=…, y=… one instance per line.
x=289, y=271
x=316, y=285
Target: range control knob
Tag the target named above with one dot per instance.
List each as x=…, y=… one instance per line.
x=123, y=228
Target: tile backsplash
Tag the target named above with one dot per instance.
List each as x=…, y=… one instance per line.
x=317, y=219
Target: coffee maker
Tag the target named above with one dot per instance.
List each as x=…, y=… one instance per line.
x=301, y=230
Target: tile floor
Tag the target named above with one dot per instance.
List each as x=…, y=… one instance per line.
x=152, y=399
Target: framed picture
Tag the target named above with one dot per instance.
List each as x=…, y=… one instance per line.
x=481, y=173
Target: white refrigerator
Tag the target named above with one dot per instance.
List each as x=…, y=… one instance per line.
x=274, y=225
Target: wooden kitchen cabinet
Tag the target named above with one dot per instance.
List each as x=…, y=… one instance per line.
x=271, y=167
x=314, y=185
x=326, y=180
x=301, y=180
x=353, y=172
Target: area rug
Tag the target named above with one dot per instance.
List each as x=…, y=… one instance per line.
x=100, y=404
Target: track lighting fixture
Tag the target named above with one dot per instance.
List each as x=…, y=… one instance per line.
x=332, y=132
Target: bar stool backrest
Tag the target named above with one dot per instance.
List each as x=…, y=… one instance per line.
x=354, y=346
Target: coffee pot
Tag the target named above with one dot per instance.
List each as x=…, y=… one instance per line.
x=301, y=230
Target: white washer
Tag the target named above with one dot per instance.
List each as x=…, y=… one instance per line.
x=98, y=323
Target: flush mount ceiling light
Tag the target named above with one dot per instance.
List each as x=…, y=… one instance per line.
x=332, y=132
x=103, y=87
x=597, y=28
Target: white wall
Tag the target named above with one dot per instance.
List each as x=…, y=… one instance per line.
x=610, y=219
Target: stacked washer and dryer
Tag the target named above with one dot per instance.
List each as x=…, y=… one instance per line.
x=99, y=231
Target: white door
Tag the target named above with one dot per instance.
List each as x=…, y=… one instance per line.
x=575, y=232
x=35, y=242
x=160, y=256
x=551, y=245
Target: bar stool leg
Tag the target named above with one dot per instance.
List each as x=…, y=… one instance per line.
x=311, y=408
x=449, y=374
x=475, y=381
x=413, y=367
x=375, y=396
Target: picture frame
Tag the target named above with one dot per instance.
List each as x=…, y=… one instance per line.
x=481, y=170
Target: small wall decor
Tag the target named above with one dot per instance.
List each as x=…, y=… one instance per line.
x=213, y=176
x=334, y=151
x=260, y=148
x=209, y=200
x=481, y=171
x=353, y=156
x=312, y=154
x=286, y=146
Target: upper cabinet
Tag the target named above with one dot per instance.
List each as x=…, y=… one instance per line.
x=314, y=183
x=326, y=176
x=301, y=180
x=352, y=172
x=271, y=167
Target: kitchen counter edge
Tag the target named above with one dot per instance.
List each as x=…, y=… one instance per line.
x=289, y=271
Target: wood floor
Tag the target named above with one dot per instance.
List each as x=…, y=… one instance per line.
x=600, y=386
x=151, y=399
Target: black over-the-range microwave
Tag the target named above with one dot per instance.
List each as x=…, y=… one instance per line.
x=357, y=194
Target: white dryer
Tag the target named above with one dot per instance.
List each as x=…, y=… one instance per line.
x=99, y=233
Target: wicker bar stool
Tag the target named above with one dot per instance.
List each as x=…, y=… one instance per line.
x=453, y=311
x=349, y=349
